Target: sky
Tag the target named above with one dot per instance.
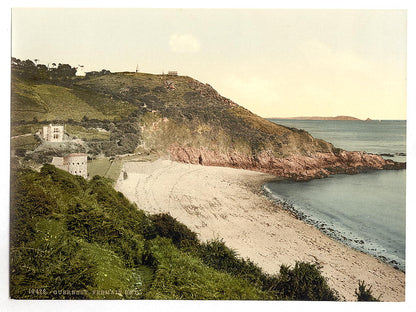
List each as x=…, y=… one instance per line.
x=276, y=63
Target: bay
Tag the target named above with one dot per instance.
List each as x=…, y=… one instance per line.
x=365, y=211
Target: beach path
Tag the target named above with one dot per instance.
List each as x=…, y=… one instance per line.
x=227, y=203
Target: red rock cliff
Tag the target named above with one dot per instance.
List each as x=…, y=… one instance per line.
x=297, y=167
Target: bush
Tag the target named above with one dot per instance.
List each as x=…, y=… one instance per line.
x=365, y=294
x=57, y=221
x=179, y=275
x=303, y=282
x=166, y=226
x=218, y=256
x=51, y=261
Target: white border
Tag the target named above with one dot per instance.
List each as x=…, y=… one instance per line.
x=14, y=305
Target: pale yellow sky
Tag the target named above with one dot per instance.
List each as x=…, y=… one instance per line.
x=277, y=63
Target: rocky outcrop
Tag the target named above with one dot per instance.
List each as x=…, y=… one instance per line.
x=296, y=167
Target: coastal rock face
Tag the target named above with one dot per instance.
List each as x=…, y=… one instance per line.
x=296, y=167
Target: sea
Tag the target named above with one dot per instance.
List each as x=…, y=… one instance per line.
x=366, y=211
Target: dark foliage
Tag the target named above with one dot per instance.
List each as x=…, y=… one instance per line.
x=53, y=216
x=28, y=70
x=97, y=73
x=182, y=237
x=218, y=256
x=51, y=261
x=365, y=293
x=303, y=282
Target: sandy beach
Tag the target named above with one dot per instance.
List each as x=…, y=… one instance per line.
x=219, y=202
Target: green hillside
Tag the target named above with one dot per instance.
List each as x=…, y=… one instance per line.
x=147, y=112
x=77, y=239
x=52, y=102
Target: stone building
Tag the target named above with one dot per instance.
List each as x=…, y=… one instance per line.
x=52, y=133
x=75, y=163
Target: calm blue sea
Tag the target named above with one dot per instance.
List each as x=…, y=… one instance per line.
x=365, y=211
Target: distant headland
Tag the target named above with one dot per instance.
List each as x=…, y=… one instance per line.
x=321, y=118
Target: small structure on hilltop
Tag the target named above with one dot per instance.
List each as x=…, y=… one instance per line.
x=172, y=73
x=75, y=163
x=52, y=133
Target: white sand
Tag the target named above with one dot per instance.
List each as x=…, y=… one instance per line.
x=227, y=203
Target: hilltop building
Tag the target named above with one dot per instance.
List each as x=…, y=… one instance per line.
x=75, y=163
x=172, y=73
x=52, y=133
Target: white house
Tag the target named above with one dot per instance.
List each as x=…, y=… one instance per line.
x=53, y=133
x=75, y=163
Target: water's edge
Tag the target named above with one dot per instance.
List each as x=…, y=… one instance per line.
x=356, y=244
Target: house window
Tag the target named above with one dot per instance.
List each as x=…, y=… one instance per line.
x=55, y=130
x=55, y=135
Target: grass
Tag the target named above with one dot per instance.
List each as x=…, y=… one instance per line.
x=54, y=102
x=86, y=134
x=98, y=167
x=105, y=167
x=28, y=142
x=115, y=168
x=112, y=274
x=110, y=107
x=181, y=276
x=27, y=128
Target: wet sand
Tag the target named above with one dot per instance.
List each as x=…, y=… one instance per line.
x=226, y=203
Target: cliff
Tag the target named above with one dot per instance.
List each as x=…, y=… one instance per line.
x=176, y=116
x=296, y=167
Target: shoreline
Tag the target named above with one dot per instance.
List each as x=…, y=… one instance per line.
x=328, y=231
x=228, y=203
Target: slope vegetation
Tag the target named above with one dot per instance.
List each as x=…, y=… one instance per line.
x=77, y=239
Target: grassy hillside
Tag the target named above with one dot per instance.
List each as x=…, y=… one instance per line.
x=77, y=239
x=152, y=112
x=53, y=102
x=194, y=114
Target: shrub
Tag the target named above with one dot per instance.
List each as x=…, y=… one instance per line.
x=218, y=256
x=179, y=275
x=51, y=261
x=303, y=282
x=56, y=220
x=165, y=225
x=365, y=293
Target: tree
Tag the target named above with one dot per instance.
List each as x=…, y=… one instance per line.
x=63, y=71
x=43, y=72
